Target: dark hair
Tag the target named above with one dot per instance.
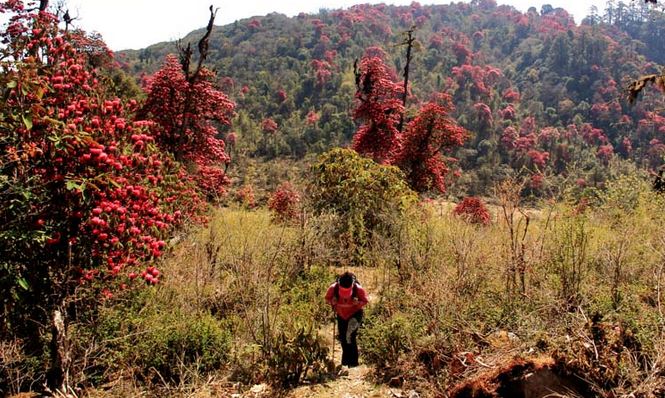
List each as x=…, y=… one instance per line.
x=346, y=280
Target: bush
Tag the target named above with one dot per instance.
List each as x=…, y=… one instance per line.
x=384, y=339
x=17, y=370
x=473, y=210
x=284, y=203
x=164, y=346
x=199, y=343
x=303, y=296
x=366, y=197
x=294, y=354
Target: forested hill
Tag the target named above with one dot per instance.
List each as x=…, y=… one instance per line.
x=540, y=95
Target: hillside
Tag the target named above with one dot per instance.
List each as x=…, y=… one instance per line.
x=171, y=240
x=541, y=96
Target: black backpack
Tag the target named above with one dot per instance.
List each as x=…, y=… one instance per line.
x=355, y=285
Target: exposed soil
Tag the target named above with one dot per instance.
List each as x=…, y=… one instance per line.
x=533, y=378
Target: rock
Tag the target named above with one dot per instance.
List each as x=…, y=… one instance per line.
x=413, y=394
x=397, y=393
x=259, y=389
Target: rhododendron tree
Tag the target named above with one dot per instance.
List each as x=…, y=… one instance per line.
x=427, y=135
x=473, y=210
x=245, y=196
x=185, y=109
x=284, y=202
x=269, y=126
x=379, y=108
x=186, y=106
x=322, y=70
x=87, y=198
x=312, y=117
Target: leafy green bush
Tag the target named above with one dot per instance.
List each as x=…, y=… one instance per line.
x=303, y=296
x=366, y=197
x=384, y=339
x=160, y=345
x=188, y=344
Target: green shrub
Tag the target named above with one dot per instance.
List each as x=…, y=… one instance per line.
x=303, y=295
x=160, y=345
x=384, y=339
x=295, y=353
x=366, y=197
x=186, y=345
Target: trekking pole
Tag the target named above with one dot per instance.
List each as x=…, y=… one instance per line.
x=333, y=342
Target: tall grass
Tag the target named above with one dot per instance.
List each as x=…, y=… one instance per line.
x=243, y=296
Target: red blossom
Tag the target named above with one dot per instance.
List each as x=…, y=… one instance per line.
x=379, y=107
x=245, y=196
x=254, y=24
x=511, y=95
x=605, y=152
x=473, y=210
x=312, y=117
x=539, y=158
x=281, y=95
x=536, y=182
x=427, y=135
x=284, y=202
x=484, y=113
x=269, y=126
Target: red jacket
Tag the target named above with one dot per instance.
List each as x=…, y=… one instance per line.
x=346, y=307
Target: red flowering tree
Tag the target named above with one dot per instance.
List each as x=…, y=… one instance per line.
x=186, y=106
x=322, y=70
x=379, y=108
x=269, y=126
x=245, y=196
x=86, y=196
x=473, y=210
x=430, y=133
x=285, y=202
x=312, y=117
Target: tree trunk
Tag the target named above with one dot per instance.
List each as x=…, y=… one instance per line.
x=58, y=377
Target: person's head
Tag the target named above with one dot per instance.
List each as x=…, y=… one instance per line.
x=346, y=280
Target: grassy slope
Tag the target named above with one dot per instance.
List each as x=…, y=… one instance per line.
x=448, y=297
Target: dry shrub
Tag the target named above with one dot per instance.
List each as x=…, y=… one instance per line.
x=534, y=377
x=17, y=371
x=610, y=357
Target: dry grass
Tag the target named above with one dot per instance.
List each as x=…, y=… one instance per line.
x=583, y=288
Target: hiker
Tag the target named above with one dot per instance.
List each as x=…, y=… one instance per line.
x=347, y=298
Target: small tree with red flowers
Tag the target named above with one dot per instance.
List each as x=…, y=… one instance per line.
x=285, y=203
x=86, y=197
x=473, y=210
x=185, y=105
x=430, y=133
x=379, y=108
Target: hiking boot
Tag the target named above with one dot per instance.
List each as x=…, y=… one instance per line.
x=343, y=371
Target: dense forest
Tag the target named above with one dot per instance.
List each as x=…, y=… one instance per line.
x=173, y=219
x=542, y=96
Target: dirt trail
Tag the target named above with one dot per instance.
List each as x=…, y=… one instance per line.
x=355, y=385
x=358, y=382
